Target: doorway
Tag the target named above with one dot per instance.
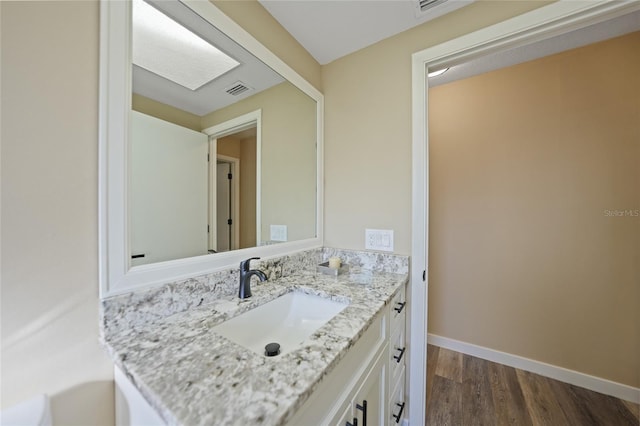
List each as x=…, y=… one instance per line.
x=543, y=23
x=233, y=143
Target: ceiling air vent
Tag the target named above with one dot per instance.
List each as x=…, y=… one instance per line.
x=237, y=88
x=425, y=5
x=426, y=10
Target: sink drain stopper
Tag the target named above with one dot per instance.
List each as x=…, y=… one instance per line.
x=272, y=349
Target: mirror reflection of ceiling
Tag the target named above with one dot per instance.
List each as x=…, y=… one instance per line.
x=218, y=93
x=164, y=47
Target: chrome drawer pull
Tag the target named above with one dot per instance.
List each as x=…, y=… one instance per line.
x=399, y=356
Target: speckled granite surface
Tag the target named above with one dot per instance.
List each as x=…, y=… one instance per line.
x=124, y=311
x=192, y=376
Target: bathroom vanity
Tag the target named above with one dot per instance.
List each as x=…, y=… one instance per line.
x=160, y=306
x=174, y=367
x=367, y=385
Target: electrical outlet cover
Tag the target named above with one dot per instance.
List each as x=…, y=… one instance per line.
x=378, y=239
x=278, y=232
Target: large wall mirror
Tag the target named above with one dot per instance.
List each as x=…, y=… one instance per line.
x=210, y=146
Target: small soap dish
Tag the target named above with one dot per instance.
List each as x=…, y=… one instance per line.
x=324, y=268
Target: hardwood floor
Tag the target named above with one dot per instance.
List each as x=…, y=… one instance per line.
x=463, y=390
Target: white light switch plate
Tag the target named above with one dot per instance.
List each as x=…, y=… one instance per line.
x=278, y=233
x=378, y=239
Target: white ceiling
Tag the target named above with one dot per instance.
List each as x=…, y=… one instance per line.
x=330, y=29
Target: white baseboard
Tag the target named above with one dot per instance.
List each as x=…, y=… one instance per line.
x=597, y=384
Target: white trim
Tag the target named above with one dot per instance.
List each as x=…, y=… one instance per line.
x=597, y=384
x=115, y=274
x=539, y=24
x=418, y=294
x=115, y=104
x=236, y=124
x=213, y=185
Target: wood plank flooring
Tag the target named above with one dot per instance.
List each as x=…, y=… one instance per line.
x=463, y=390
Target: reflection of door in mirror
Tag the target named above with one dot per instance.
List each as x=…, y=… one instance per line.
x=172, y=197
x=168, y=191
x=237, y=151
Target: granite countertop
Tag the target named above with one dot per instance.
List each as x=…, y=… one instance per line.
x=191, y=375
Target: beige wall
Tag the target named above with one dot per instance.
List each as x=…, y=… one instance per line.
x=524, y=164
x=229, y=146
x=368, y=127
x=49, y=211
x=248, y=193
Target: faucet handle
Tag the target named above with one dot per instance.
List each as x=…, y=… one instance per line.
x=245, y=265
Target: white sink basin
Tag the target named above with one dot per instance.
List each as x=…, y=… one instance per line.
x=287, y=320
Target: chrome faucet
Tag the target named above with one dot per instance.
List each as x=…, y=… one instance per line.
x=245, y=277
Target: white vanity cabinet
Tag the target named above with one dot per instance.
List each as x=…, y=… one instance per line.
x=360, y=376
x=369, y=381
x=368, y=404
x=397, y=356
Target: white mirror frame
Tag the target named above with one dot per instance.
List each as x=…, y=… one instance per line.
x=116, y=275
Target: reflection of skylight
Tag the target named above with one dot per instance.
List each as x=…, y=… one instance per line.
x=164, y=47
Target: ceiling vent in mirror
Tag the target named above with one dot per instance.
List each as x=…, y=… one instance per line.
x=431, y=9
x=237, y=88
x=425, y=5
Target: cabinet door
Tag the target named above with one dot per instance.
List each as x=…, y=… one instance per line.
x=131, y=407
x=346, y=418
x=370, y=401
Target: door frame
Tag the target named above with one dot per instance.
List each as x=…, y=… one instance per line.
x=542, y=23
x=229, y=127
x=235, y=198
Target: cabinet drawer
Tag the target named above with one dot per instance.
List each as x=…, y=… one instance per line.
x=397, y=355
x=397, y=404
x=398, y=310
